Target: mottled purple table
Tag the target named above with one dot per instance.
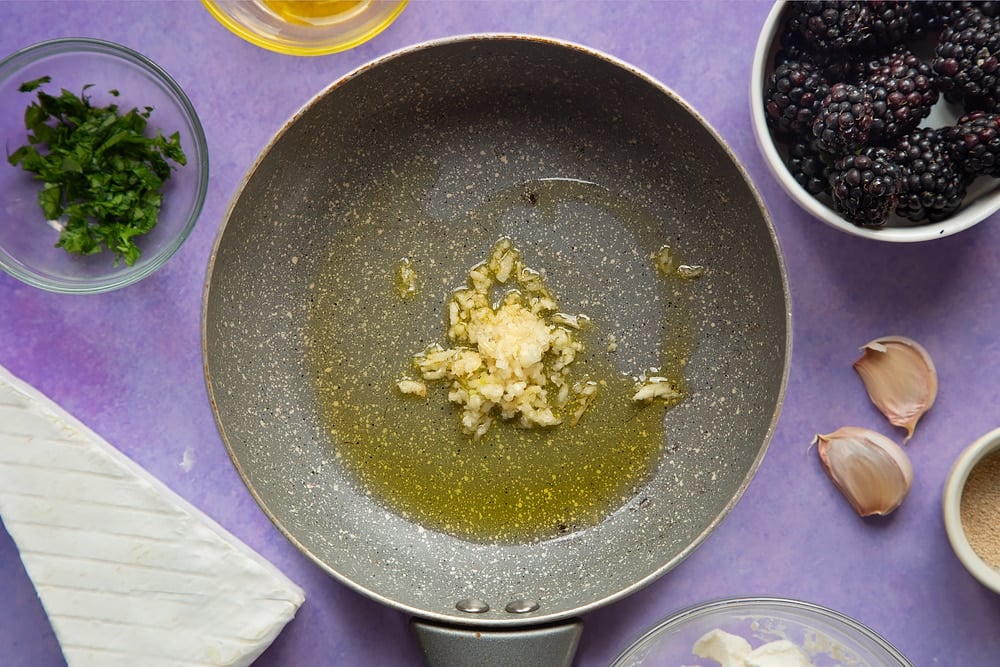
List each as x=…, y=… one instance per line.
x=128, y=363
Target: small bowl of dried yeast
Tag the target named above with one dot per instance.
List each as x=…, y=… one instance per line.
x=972, y=509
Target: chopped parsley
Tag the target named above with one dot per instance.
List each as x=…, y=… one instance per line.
x=101, y=173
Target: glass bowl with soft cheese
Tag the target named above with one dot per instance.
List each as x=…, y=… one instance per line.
x=760, y=632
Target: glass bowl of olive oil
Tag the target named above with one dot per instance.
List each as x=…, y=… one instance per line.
x=306, y=27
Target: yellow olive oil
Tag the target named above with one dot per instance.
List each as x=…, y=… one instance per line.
x=514, y=484
x=315, y=12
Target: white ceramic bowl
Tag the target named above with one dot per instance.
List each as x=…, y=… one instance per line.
x=829, y=638
x=982, y=201
x=952, y=502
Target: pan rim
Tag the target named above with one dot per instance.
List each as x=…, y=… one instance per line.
x=663, y=568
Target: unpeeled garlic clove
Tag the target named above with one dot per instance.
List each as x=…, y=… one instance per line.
x=872, y=471
x=900, y=379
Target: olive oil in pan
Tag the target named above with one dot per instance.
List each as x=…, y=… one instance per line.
x=513, y=485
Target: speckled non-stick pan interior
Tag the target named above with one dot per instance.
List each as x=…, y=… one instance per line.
x=406, y=148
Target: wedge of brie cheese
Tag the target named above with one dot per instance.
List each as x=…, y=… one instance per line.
x=128, y=572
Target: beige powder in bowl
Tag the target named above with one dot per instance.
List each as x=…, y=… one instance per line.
x=980, y=509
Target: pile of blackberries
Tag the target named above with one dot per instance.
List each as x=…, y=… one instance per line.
x=848, y=95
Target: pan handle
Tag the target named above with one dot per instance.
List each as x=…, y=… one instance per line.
x=542, y=646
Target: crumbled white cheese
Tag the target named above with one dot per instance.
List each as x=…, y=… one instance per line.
x=730, y=650
x=724, y=648
x=780, y=653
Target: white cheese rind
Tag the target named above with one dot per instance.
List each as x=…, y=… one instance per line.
x=128, y=572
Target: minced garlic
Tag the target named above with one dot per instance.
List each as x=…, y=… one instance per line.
x=654, y=387
x=511, y=359
x=663, y=261
x=415, y=387
x=406, y=279
x=666, y=263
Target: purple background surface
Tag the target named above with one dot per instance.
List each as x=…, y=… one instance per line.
x=128, y=363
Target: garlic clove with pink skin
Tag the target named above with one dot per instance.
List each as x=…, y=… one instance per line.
x=900, y=378
x=872, y=471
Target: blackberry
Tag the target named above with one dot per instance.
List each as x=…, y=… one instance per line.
x=844, y=120
x=990, y=8
x=975, y=142
x=794, y=94
x=927, y=19
x=933, y=180
x=901, y=87
x=809, y=167
x=870, y=64
x=967, y=61
x=832, y=25
x=835, y=67
x=866, y=187
x=950, y=10
x=890, y=20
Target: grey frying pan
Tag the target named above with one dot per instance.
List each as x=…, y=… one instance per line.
x=432, y=154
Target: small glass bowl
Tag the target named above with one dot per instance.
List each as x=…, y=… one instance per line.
x=27, y=239
x=306, y=27
x=954, y=488
x=828, y=637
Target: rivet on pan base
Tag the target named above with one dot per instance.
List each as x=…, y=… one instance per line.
x=472, y=606
x=520, y=606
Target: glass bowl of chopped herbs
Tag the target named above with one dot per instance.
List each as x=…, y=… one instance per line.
x=106, y=166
